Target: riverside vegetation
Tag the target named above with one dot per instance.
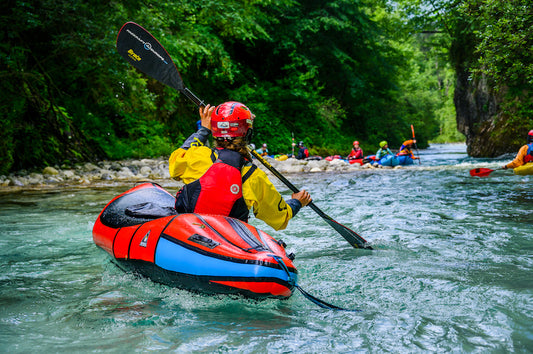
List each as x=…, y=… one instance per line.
x=328, y=72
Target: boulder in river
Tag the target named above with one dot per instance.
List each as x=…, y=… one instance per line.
x=50, y=171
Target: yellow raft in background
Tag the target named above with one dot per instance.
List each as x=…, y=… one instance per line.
x=526, y=169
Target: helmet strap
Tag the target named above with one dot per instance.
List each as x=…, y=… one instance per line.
x=249, y=135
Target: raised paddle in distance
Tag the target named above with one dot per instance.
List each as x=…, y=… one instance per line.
x=418, y=153
x=145, y=53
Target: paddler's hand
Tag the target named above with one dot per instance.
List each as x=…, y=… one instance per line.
x=303, y=196
x=205, y=116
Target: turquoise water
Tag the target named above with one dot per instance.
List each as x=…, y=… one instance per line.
x=452, y=271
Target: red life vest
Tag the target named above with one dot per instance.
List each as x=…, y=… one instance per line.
x=219, y=190
x=356, y=154
x=529, y=156
x=302, y=153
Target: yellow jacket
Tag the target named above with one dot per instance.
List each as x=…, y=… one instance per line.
x=519, y=159
x=193, y=158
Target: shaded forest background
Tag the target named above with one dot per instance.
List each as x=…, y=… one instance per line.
x=325, y=72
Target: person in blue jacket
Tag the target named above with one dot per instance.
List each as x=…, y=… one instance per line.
x=263, y=151
x=383, y=150
x=303, y=152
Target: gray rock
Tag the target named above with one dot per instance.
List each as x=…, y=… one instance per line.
x=67, y=174
x=125, y=173
x=50, y=171
x=145, y=171
x=115, y=166
x=89, y=167
x=53, y=179
x=15, y=182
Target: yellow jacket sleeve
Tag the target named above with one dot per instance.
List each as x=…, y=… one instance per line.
x=193, y=159
x=189, y=164
x=267, y=203
x=519, y=159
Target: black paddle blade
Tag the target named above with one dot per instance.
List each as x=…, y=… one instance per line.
x=145, y=53
x=349, y=235
x=352, y=237
x=322, y=303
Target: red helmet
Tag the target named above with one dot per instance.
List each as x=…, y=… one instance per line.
x=356, y=142
x=530, y=136
x=231, y=120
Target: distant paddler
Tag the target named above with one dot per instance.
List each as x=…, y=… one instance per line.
x=406, y=149
x=383, y=150
x=263, y=151
x=356, y=153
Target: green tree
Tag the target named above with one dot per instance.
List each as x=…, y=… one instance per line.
x=328, y=72
x=490, y=46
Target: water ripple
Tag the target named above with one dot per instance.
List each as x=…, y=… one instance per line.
x=451, y=272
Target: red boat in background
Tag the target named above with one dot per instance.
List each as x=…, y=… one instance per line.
x=143, y=233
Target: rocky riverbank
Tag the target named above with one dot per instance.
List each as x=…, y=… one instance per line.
x=128, y=171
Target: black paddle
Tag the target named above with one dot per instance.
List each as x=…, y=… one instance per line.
x=145, y=53
x=351, y=236
x=416, y=147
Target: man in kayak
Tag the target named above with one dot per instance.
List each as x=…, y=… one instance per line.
x=263, y=151
x=356, y=153
x=525, y=154
x=303, y=152
x=405, y=149
x=383, y=150
x=223, y=181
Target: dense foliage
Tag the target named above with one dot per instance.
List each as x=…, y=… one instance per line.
x=504, y=56
x=491, y=47
x=327, y=72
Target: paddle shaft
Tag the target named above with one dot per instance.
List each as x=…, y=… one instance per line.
x=145, y=53
x=284, y=180
x=416, y=147
x=293, y=144
x=351, y=236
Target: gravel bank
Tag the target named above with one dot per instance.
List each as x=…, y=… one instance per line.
x=128, y=171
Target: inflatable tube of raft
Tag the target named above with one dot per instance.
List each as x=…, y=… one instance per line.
x=391, y=160
x=206, y=253
x=523, y=170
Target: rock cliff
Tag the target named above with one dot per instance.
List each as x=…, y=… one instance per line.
x=490, y=130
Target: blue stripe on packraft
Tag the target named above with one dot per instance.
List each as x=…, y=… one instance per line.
x=171, y=256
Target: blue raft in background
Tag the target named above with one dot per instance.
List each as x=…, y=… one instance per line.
x=391, y=160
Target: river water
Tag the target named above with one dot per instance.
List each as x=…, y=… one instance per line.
x=452, y=271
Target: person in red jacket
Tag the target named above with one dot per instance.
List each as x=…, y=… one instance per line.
x=525, y=154
x=356, y=153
